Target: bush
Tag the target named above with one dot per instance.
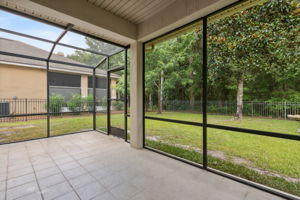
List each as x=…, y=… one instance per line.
x=103, y=101
x=56, y=103
x=119, y=105
x=75, y=104
x=89, y=101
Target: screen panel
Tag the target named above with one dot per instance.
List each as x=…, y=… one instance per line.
x=253, y=78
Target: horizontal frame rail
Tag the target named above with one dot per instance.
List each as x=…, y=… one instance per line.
x=175, y=121
x=115, y=69
x=235, y=129
x=45, y=113
x=44, y=59
x=256, y=132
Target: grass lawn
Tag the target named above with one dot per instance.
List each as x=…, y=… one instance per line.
x=270, y=161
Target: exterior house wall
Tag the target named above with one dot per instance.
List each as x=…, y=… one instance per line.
x=113, y=84
x=84, y=85
x=18, y=84
x=21, y=82
x=29, y=86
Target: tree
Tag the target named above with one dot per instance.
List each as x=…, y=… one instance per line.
x=259, y=39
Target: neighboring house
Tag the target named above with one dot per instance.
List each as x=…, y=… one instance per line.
x=26, y=78
x=22, y=78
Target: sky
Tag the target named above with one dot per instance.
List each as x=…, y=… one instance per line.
x=31, y=27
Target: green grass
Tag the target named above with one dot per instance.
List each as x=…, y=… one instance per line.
x=273, y=155
x=229, y=167
x=24, y=130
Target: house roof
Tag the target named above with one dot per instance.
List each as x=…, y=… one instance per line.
x=17, y=47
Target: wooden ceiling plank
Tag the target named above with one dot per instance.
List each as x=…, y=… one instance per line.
x=125, y=7
x=112, y=4
x=131, y=12
x=142, y=16
x=149, y=11
x=105, y=3
x=120, y=4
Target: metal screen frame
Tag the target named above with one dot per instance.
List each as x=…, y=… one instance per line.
x=204, y=123
x=48, y=60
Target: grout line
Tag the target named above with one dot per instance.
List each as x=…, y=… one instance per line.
x=6, y=179
x=88, y=172
x=113, y=173
x=36, y=179
x=74, y=190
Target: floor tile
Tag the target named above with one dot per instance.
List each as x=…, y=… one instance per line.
x=90, y=191
x=22, y=190
x=3, y=176
x=68, y=196
x=56, y=190
x=20, y=172
x=33, y=196
x=2, y=195
x=124, y=191
x=69, y=165
x=111, y=181
x=39, y=167
x=13, y=182
x=82, y=180
x=105, y=196
x=63, y=160
x=93, y=166
x=72, y=173
x=47, y=172
x=101, y=173
x=51, y=180
x=2, y=185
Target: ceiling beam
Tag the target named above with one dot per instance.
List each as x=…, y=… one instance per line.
x=177, y=14
x=84, y=16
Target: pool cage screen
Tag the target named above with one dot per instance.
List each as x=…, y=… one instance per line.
x=99, y=60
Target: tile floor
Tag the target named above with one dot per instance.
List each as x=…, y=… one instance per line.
x=95, y=166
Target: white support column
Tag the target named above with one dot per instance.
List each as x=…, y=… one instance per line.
x=136, y=95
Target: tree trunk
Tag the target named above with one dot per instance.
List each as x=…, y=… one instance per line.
x=239, y=98
x=150, y=102
x=192, y=99
x=160, y=94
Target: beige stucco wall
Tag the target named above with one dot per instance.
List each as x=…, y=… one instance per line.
x=30, y=83
x=84, y=86
x=26, y=82
x=113, y=84
x=22, y=82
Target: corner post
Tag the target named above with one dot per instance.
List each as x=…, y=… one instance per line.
x=204, y=90
x=125, y=96
x=136, y=95
x=94, y=99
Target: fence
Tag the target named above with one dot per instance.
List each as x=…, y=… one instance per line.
x=13, y=110
x=278, y=110
x=23, y=109
x=11, y=107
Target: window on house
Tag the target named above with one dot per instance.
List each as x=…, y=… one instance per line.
x=62, y=79
x=101, y=82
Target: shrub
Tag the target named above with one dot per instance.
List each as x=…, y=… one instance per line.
x=56, y=103
x=89, y=101
x=75, y=104
x=119, y=105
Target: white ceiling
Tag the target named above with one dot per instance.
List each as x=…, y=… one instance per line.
x=135, y=11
